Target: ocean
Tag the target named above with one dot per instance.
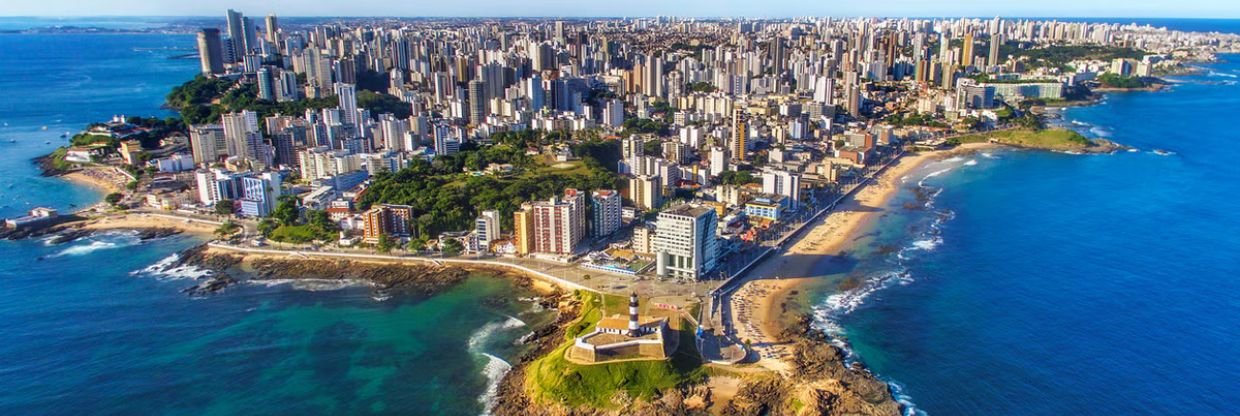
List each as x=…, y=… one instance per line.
x=1015, y=282
x=86, y=330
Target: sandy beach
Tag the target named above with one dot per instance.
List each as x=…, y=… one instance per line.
x=104, y=179
x=758, y=304
x=132, y=221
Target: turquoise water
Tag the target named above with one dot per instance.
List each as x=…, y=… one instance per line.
x=85, y=331
x=1039, y=283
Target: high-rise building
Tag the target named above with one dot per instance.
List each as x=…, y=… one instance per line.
x=718, y=160
x=740, y=133
x=605, y=207
x=266, y=84
x=241, y=134
x=236, y=34
x=996, y=40
x=559, y=224
x=477, y=102
x=784, y=183
x=684, y=242
x=210, y=53
x=613, y=113
x=207, y=143
x=486, y=230
x=646, y=191
x=389, y=220
x=273, y=30
x=347, y=94
x=523, y=230
x=966, y=52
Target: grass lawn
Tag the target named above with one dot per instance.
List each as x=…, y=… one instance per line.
x=553, y=379
x=295, y=234
x=1054, y=139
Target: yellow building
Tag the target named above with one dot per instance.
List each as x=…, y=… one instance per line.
x=523, y=233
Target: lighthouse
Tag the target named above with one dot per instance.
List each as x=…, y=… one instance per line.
x=633, y=324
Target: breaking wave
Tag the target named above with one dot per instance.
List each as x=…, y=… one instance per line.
x=495, y=367
x=892, y=271
x=312, y=285
x=167, y=268
x=104, y=241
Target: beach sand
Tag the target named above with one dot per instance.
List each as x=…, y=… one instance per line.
x=104, y=179
x=132, y=221
x=773, y=281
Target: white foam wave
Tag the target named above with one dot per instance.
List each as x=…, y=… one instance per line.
x=312, y=285
x=1222, y=74
x=95, y=243
x=971, y=162
x=989, y=155
x=922, y=182
x=953, y=159
x=928, y=244
x=1100, y=131
x=495, y=367
x=167, y=269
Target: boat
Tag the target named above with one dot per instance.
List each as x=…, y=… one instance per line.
x=1162, y=152
x=64, y=135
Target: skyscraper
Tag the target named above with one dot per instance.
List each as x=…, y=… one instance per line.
x=347, y=94
x=210, y=53
x=477, y=102
x=740, y=133
x=966, y=53
x=605, y=204
x=996, y=40
x=236, y=34
x=273, y=30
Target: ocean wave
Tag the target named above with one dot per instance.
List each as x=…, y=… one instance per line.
x=953, y=159
x=167, y=269
x=906, y=401
x=971, y=162
x=104, y=241
x=1100, y=131
x=922, y=182
x=989, y=155
x=312, y=285
x=1222, y=74
x=928, y=244
x=495, y=367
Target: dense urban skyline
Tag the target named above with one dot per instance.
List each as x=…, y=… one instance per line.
x=696, y=8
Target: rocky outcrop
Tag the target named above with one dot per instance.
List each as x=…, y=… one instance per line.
x=227, y=269
x=827, y=384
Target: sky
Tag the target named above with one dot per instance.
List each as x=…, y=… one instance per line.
x=633, y=8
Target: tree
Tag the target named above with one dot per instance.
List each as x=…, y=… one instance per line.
x=226, y=229
x=385, y=243
x=113, y=198
x=224, y=207
x=286, y=210
x=416, y=244
x=266, y=226
x=451, y=247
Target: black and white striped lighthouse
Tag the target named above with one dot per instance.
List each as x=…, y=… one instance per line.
x=633, y=324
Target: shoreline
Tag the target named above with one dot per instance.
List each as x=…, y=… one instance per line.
x=92, y=180
x=775, y=283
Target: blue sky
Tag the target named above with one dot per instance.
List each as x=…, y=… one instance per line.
x=751, y=8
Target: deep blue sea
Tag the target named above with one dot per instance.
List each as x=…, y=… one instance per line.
x=84, y=330
x=1039, y=283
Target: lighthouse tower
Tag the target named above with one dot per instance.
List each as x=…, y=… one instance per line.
x=633, y=324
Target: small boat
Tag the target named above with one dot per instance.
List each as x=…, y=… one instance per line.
x=64, y=135
x=1162, y=152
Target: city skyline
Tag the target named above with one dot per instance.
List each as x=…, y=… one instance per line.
x=642, y=8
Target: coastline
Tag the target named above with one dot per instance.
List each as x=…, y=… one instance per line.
x=776, y=282
x=94, y=177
